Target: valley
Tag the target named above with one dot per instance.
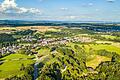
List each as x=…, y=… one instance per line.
x=58, y=53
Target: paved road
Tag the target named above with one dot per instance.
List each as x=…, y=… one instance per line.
x=35, y=70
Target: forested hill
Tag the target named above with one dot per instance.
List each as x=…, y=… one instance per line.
x=95, y=26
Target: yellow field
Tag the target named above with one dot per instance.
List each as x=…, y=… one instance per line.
x=6, y=28
x=96, y=61
x=40, y=28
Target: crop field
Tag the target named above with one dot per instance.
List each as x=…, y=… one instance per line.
x=40, y=28
x=7, y=28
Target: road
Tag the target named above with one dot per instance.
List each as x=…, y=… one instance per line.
x=35, y=71
x=36, y=66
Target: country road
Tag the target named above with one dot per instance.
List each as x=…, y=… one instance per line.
x=35, y=74
x=35, y=71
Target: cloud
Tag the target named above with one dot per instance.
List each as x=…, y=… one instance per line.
x=10, y=6
x=96, y=9
x=88, y=5
x=64, y=9
x=111, y=1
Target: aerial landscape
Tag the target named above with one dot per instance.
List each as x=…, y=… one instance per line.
x=59, y=40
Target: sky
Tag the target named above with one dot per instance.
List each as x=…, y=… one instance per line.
x=61, y=10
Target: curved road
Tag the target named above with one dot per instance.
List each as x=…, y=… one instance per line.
x=35, y=71
x=35, y=74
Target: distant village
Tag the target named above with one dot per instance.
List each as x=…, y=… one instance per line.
x=41, y=42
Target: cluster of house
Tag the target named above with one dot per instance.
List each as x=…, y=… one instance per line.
x=44, y=42
x=10, y=49
x=27, y=39
x=83, y=39
x=52, y=41
x=14, y=48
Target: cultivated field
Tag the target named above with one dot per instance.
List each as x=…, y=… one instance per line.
x=40, y=28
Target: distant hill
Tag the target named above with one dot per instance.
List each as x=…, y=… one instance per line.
x=50, y=23
x=99, y=26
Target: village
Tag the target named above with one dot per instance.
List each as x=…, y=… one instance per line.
x=10, y=49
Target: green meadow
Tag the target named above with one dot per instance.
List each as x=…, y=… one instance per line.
x=93, y=59
x=44, y=51
x=12, y=63
x=108, y=36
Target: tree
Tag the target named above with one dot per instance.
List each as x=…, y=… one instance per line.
x=6, y=38
x=22, y=67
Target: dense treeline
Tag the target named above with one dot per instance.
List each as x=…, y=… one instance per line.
x=105, y=71
x=58, y=34
x=6, y=38
x=68, y=32
x=24, y=32
x=66, y=66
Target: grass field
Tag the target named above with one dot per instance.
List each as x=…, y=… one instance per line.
x=44, y=52
x=40, y=28
x=96, y=59
x=16, y=56
x=116, y=44
x=110, y=48
x=108, y=36
x=11, y=65
x=7, y=28
x=87, y=47
x=10, y=68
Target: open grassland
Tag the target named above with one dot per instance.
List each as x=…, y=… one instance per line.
x=96, y=61
x=99, y=46
x=108, y=36
x=16, y=56
x=43, y=52
x=12, y=64
x=117, y=44
x=11, y=68
x=109, y=48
